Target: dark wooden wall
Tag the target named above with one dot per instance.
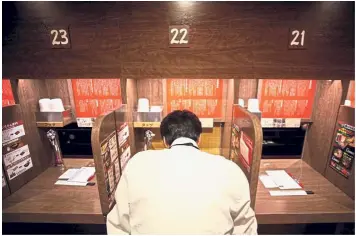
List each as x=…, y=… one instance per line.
x=27, y=93
x=245, y=40
x=151, y=89
x=329, y=96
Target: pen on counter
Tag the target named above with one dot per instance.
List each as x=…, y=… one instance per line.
x=90, y=178
x=300, y=184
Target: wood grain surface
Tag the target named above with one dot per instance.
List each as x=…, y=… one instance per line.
x=58, y=88
x=94, y=35
x=247, y=89
x=41, y=154
x=130, y=40
x=226, y=126
x=5, y=189
x=328, y=204
x=131, y=97
x=151, y=89
x=40, y=201
x=319, y=136
x=351, y=91
x=346, y=115
x=29, y=93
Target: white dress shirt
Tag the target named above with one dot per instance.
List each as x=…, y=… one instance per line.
x=181, y=190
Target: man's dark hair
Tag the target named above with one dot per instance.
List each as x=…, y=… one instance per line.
x=179, y=124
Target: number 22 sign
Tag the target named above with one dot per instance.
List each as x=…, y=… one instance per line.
x=60, y=37
x=179, y=36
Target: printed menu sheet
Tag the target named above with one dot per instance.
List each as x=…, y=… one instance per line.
x=286, y=98
x=124, y=145
x=16, y=155
x=7, y=95
x=201, y=96
x=110, y=158
x=343, y=154
x=94, y=97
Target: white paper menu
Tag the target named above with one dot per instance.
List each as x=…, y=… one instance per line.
x=283, y=180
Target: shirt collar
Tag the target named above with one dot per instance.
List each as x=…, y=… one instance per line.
x=182, y=140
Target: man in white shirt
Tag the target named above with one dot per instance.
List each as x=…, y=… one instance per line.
x=181, y=190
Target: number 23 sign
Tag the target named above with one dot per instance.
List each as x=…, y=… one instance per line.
x=60, y=37
x=179, y=36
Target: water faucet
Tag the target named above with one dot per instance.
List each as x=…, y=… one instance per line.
x=148, y=139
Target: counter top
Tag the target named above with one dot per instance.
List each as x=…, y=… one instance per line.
x=328, y=204
x=42, y=201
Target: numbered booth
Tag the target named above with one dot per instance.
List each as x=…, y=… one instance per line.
x=272, y=83
x=118, y=135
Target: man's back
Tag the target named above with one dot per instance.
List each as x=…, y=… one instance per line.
x=182, y=191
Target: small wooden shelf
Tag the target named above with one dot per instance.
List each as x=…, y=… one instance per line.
x=54, y=124
x=206, y=123
x=146, y=124
x=54, y=119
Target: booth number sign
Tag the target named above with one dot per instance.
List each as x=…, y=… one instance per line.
x=178, y=36
x=60, y=37
x=297, y=38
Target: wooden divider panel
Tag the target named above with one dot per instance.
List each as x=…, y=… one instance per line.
x=106, y=159
x=319, y=136
x=20, y=165
x=111, y=151
x=5, y=186
x=246, y=146
x=340, y=169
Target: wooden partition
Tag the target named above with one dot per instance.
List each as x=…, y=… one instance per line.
x=328, y=98
x=5, y=186
x=20, y=162
x=106, y=159
x=246, y=146
x=27, y=93
x=108, y=153
x=340, y=170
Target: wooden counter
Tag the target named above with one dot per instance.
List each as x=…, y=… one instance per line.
x=42, y=201
x=328, y=204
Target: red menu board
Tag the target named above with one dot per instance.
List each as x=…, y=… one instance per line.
x=286, y=98
x=7, y=95
x=93, y=97
x=201, y=96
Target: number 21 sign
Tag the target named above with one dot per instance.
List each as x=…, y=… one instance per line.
x=179, y=36
x=297, y=38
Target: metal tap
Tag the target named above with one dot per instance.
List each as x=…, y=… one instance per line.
x=148, y=139
x=53, y=138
